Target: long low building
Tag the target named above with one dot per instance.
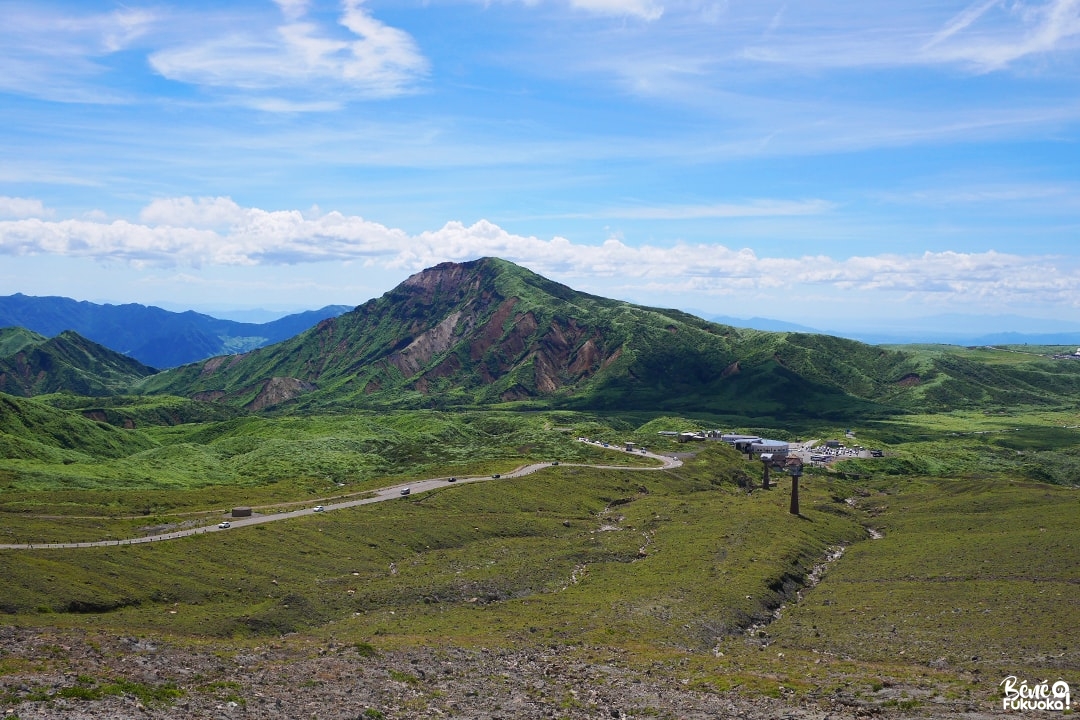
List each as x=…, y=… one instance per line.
x=757, y=444
x=778, y=448
x=732, y=438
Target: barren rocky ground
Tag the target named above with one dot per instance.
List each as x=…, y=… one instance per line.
x=89, y=677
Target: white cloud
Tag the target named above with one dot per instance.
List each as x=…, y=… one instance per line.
x=218, y=231
x=299, y=55
x=214, y=231
x=14, y=207
x=204, y=213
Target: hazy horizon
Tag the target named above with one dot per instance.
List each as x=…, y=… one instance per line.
x=944, y=327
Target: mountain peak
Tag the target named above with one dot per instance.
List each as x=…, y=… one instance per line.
x=68, y=362
x=488, y=332
x=445, y=278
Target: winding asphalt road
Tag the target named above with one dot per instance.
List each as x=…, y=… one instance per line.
x=387, y=493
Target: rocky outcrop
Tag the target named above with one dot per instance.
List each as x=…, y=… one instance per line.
x=277, y=390
x=410, y=359
x=300, y=677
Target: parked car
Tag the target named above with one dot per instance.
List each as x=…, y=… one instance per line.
x=320, y=508
x=496, y=476
x=453, y=479
x=405, y=491
x=225, y=525
x=554, y=462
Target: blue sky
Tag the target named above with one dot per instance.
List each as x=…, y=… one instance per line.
x=819, y=162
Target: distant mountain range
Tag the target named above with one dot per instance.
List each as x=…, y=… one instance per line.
x=945, y=329
x=759, y=323
x=153, y=336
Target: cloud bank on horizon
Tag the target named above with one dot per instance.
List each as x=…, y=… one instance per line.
x=217, y=231
x=776, y=156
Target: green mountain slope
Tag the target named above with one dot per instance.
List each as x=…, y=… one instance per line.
x=14, y=339
x=65, y=363
x=956, y=378
x=33, y=430
x=489, y=332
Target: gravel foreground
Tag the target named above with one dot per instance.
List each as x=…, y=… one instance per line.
x=75, y=677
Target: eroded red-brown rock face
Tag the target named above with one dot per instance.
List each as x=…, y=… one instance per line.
x=277, y=390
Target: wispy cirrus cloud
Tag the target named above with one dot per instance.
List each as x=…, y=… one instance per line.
x=644, y=9
x=1018, y=31
x=961, y=21
x=49, y=55
x=218, y=231
x=300, y=56
x=745, y=40
x=293, y=9
x=1058, y=197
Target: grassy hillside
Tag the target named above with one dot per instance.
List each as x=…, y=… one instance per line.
x=252, y=460
x=1041, y=445
x=65, y=363
x=33, y=431
x=956, y=378
x=679, y=572
x=662, y=550
x=14, y=339
x=137, y=411
x=970, y=574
